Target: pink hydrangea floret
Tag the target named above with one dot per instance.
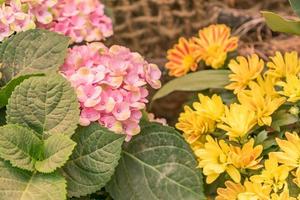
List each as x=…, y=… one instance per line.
x=152, y=118
x=111, y=85
x=14, y=18
x=82, y=20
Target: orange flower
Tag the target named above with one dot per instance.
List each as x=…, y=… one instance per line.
x=213, y=43
x=182, y=58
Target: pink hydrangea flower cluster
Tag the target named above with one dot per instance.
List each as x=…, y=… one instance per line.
x=110, y=85
x=14, y=18
x=41, y=9
x=79, y=19
x=82, y=20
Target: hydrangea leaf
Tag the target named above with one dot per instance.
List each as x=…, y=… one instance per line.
x=196, y=81
x=7, y=90
x=93, y=161
x=17, y=184
x=20, y=146
x=157, y=164
x=279, y=24
x=30, y=52
x=57, y=149
x=46, y=104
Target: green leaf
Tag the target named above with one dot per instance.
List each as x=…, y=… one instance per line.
x=30, y=52
x=93, y=161
x=57, y=149
x=261, y=137
x=20, y=146
x=196, y=81
x=7, y=90
x=294, y=190
x=157, y=164
x=283, y=118
x=279, y=24
x=17, y=184
x=46, y=104
x=296, y=6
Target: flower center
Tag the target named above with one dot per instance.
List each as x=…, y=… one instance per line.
x=214, y=51
x=188, y=61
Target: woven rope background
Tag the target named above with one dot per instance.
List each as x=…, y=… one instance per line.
x=152, y=26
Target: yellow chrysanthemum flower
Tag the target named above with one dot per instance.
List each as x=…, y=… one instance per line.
x=255, y=191
x=290, y=155
x=238, y=121
x=213, y=43
x=212, y=108
x=231, y=191
x=273, y=175
x=244, y=70
x=248, y=191
x=246, y=157
x=257, y=100
x=267, y=84
x=290, y=88
x=280, y=66
x=194, y=126
x=284, y=195
x=213, y=158
x=182, y=58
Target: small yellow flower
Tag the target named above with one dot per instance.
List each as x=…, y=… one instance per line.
x=248, y=191
x=290, y=88
x=213, y=43
x=244, y=70
x=238, y=121
x=194, y=126
x=231, y=191
x=291, y=153
x=288, y=65
x=291, y=150
x=267, y=84
x=182, y=58
x=272, y=175
x=284, y=195
x=255, y=191
x=212, y=108
x=213, y=158
x=246, y=157
x=259, y=101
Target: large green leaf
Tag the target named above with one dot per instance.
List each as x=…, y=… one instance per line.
x=20, y=146
x=6, y=90
x=57, y=149
x=157, y=164
x=17, y=184
x=32, y=51
x=46, y=104
x=279, y=24
x=296, y=6
x=196, y=81
x=94, y=159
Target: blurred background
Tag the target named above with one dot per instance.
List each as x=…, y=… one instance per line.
x=151, y=27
